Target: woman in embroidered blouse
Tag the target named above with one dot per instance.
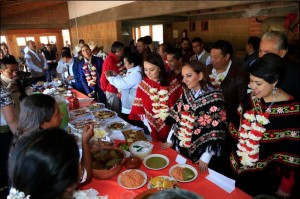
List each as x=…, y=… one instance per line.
x=199, y=117
x=154, y=96
x=87, y=72
x=127, y=84
x=265, y=134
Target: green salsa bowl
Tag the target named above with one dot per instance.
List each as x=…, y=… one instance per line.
x=156, y=161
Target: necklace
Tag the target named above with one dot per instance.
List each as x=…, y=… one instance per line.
x=251, y=132
x=273, y=101
x=90, y=73
x=160, y=102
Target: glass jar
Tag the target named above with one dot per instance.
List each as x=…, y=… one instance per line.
x=63, y=105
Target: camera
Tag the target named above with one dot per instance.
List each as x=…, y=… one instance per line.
x=24, y=78
x=23, y=81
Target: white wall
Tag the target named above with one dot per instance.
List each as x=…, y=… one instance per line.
x=81, y=8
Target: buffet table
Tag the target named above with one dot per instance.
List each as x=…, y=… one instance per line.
x=200, y=185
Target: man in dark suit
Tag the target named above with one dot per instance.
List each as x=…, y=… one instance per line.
x=277, y=42
x=252, y=48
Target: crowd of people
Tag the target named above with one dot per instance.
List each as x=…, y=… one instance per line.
x=240, y=120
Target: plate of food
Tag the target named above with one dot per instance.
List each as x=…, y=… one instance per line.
x=183, y=172
x=133, y=135
x=96, y=106
x=99, y=133
x=163, y=182
x=104, y=114
x=79, y=112
x=156, y=161
x=116, y=126
x=81, y=123
x=132, y=179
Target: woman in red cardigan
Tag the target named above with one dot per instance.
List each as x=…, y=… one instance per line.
x=155, y=95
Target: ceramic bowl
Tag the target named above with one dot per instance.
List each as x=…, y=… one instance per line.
x=105, y=173
x=132, y=162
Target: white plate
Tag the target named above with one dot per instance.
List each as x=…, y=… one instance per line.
x=156, y=155
x=121, y=122
x=184, y=166
x=139, y=171
x=104, y=117
x=96, y=106
x=165, y=177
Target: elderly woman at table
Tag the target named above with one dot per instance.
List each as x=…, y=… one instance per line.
x=45, y=165
x=41, y=111
x=128, y=83
x=154, y=96
x=265, y=134
x=199, y=117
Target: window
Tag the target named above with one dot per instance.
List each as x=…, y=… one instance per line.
x=204, y=26
x=192, y=26
x=155, y=31
x=52, y=39
x=29, y=38
x=48, y=39
x=3, y=39
x=66, y=35
x=21, y=41
x=145, y=31
x=44, y=40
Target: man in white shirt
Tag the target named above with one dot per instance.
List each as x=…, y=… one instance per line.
x=36, y=63
x=201, y=54
x=65, y=68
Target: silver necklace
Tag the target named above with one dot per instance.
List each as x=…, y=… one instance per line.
x=273, y=101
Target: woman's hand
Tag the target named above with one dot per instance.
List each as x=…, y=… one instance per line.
x=203, y=167
x=110, y=73
x=165, y=145
x=88, y=133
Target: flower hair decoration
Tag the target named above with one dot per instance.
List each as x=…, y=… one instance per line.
x=16, y=194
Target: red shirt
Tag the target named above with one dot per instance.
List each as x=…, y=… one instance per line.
x=110, y=63
x=143, y=105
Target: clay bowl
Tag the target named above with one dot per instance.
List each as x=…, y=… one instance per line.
x=114, y=168
x=132, y=162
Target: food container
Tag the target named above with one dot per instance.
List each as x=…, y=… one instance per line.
x=141, y=149
x=132, y=162
x=103, y=170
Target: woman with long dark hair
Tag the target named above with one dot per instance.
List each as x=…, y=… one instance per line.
x=156, y=93
x=45, y=165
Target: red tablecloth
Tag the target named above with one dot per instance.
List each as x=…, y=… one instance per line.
x=201, y=185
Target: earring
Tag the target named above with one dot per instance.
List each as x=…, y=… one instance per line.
x=274, y=91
